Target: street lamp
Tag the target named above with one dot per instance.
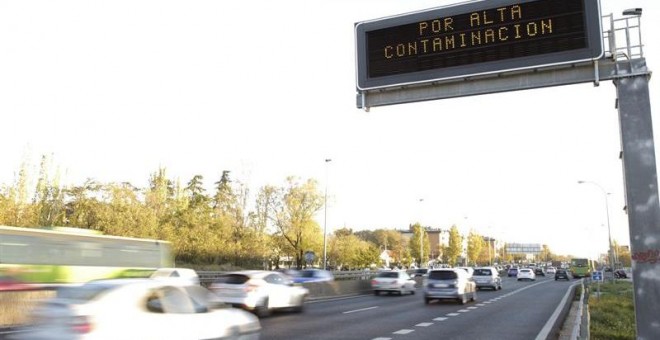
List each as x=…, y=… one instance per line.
x=421, y=238
x=609, y=231
x=325, y=216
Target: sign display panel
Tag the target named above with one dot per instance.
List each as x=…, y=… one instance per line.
x=476, y=38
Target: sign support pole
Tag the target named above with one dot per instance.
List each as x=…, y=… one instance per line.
x=641, y=188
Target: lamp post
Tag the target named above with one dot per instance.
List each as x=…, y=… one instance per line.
x=421, y=238
x=609, y=231
x=325, y=216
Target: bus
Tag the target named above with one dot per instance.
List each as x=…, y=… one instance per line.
x=69, y=255
x=581, y=267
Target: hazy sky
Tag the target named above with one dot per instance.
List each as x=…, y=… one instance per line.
x=113, y=90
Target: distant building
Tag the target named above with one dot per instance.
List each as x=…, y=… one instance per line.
x=438, y=238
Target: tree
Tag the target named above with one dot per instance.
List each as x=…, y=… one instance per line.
x=474, y=246
x=414, y=245
x=455, y=247
x=294, y=217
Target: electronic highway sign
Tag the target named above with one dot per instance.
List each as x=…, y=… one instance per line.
x=473, y=38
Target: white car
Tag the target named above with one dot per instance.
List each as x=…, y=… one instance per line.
x=260, y=291
x=182, y=275
x=551, y=270
x=526, y=274
x=393, y=281
x=469, y=270
x=138, y=309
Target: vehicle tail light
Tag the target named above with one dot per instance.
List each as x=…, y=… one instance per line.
x=252, y=286
x=81, y=325
x=374, y=282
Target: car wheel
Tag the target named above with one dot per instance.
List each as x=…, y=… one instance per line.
x=462, y=300
x=301, y=305
x=262, y=310
x=427, y=300
x=474, y=296
x=376, y=292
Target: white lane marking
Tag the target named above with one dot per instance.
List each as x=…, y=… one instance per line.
x=404, y=331
x=463, y=310
x=481, y=304
x=543, y=334
x=453, y=314
x=359, y=310
x=472, y=307
x=381, y=339
x=488, y=301
x=440, y=319
x=424, y=324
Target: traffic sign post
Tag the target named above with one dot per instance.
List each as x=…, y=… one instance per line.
x=598, y=277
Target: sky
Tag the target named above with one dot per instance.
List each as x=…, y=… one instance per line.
x=114, y=90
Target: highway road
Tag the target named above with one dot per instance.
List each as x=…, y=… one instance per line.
x=520, y=310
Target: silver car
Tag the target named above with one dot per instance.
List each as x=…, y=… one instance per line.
x=449, y=283
x=487, y=277
x=260, y=291
x=393, y=281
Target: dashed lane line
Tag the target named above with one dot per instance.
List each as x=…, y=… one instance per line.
x=424, y=324
x=453, y=314
x=359, y=310
x=404, y=331
x=440, y=319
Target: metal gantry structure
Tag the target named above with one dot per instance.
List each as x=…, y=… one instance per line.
x=624, y=64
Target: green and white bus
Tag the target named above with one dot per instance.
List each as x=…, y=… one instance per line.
x=581, y=267
x=70, y=255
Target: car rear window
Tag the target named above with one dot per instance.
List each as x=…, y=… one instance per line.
x=236, y=279
x=442, y=275
x=388, y=274
x=484, y=272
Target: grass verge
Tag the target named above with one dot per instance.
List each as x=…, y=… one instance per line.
x=613, y=314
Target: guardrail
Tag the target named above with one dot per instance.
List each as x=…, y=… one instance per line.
x=207, y=277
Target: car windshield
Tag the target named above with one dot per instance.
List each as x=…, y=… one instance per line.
x=388, y=274
x=484, y=272
x=442, y=275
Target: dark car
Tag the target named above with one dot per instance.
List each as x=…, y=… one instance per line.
x=620, y=274
x=539, y=272
x=513, y=272
x=561, y=274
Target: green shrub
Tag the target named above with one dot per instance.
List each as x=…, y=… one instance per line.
x=612, y=314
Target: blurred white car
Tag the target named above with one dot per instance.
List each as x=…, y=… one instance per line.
x=139, y=309
x=469, y=270
x=393, y=281
x=526, y=274
x=551, y=270
x=183, y=275
x=260, y=291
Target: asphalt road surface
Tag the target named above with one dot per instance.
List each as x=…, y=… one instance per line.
x=520, y=310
